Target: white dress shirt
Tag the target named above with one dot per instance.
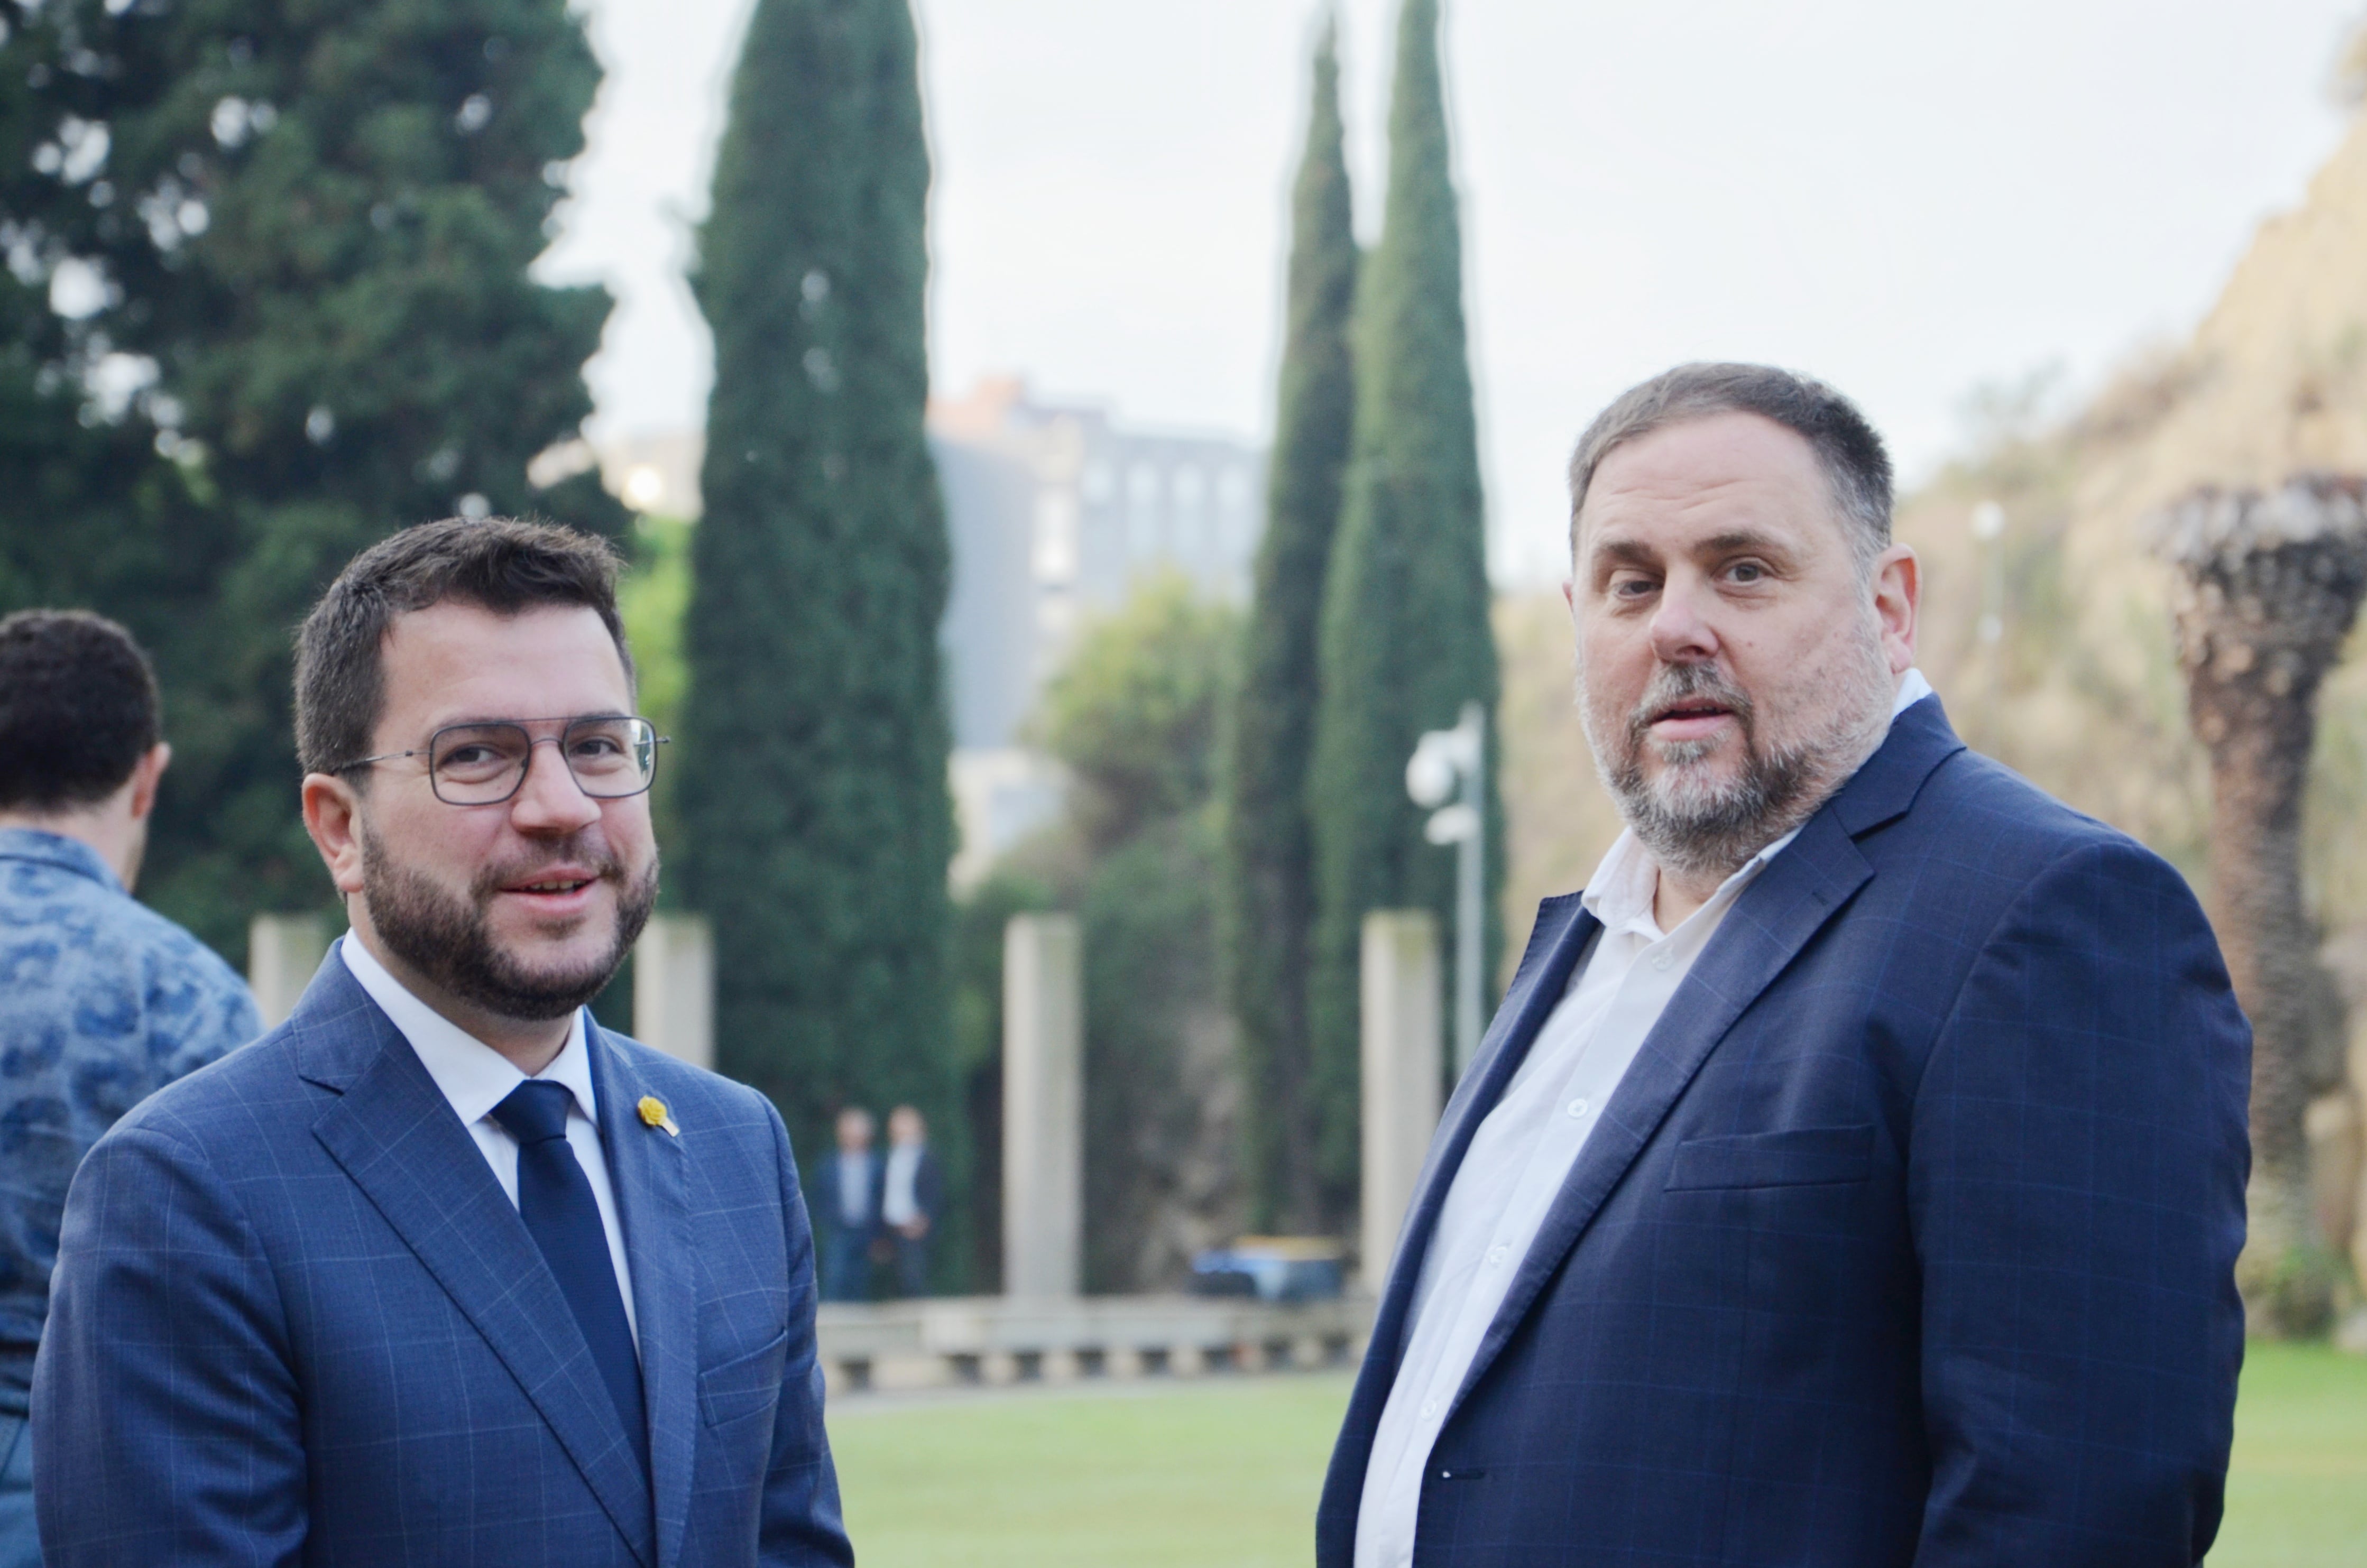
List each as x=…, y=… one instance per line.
x=898, y=1205
x=474, y=1077
x=1523, y=1153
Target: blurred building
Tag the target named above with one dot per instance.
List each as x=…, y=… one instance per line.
x=1055, y=511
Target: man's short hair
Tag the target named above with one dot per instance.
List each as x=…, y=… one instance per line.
x=1848, y=449
x=496, y=563
x=78, y=709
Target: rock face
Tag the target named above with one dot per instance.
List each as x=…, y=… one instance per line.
x=2269, y=588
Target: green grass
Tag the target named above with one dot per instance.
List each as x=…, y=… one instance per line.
x=2297, y=1492
x=1217, y=1474
x=1224, y=1473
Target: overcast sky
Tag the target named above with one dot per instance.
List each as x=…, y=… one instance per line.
x=1911, y=200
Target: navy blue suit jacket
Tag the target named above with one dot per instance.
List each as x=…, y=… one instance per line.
x=826, y=1194
x=1909, y=1238
x=297, y=1320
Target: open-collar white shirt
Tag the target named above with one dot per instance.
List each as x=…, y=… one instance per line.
x=1523, y=1153
x=474, y=1077
x=899, y=1202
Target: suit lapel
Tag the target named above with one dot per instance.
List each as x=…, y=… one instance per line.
x=1562, y=932
x=1560, y=935
x=1800, y=891
x=646, y=1169
x=395, y=1136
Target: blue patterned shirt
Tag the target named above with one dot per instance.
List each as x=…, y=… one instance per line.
x=103, y=1001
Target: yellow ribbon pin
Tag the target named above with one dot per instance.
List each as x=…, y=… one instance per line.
x=655, y=1114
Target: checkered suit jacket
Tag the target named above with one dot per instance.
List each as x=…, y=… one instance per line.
x=1909, y=1238
x=297, y=1320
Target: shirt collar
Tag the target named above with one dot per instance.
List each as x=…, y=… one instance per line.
x=57, y=849
x=472, y=1075
x=1624, y=887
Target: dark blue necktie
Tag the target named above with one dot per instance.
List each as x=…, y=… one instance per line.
x=555, y=1200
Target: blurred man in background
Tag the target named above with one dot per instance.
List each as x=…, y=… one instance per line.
x=102, y=1001
x=1854, y=1174
x=846, y=1208
x=440, y=1270
x=912, y=1196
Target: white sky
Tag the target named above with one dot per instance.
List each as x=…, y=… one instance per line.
x=1909, y=199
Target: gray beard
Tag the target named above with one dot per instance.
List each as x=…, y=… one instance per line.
x=445, y=938
x=1701, y=829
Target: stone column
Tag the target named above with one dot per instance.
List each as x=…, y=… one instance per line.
x=1043, y=1106
x=674, y=987
x=1403, y=1059
x=282, y=952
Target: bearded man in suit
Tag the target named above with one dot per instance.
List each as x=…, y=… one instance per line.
x=1855, y=1173
x=441, y=1270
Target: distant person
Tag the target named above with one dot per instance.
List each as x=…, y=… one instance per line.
x=441, y=1270
x=1854, y=1174
x=846, y=1208
x=912, y=1197
x=102, y=1000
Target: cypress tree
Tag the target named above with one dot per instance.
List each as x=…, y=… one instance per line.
x=314, y=225
x=1269, y=846
x=1405, y=640
x=813, y=794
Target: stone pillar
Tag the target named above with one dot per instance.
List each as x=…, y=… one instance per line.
x=1402, y=1061
x=674, y=987
x=282, y=952
x=1043, y=1106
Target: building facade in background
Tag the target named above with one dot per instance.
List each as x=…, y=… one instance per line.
x=1056, y=510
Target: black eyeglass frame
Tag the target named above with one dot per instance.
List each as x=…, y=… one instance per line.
x=527, y=767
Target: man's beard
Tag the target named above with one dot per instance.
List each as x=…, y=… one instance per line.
x=1699, y=826
x=445, y=938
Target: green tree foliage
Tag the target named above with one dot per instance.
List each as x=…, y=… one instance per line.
x=813, y=797
x=1136, y=710
x=1136, y=714
x=310, y=229
x=1269, y=840
x=1405, y=638
x=654, y=600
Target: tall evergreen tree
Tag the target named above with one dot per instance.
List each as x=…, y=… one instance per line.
x=1270, y=856
x=1405, y=639
x=813, y=791
x=313, y=225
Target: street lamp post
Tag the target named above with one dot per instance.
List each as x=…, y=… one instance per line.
x=1443, y=760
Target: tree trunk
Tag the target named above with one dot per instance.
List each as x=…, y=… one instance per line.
x=2273, y=584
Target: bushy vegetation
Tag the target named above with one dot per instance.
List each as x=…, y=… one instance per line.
x=1405, y=639
x=1269, y=828
x=1136, y=716
x=812, y=792
x=268, y=301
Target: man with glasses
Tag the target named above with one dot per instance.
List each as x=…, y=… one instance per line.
x=441, y=1270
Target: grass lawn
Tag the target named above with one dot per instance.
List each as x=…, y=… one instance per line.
x=1220, y=1473
x=2297, y=1493
x=1224, y=1473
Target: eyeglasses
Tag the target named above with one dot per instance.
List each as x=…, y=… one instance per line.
x=610, y=756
